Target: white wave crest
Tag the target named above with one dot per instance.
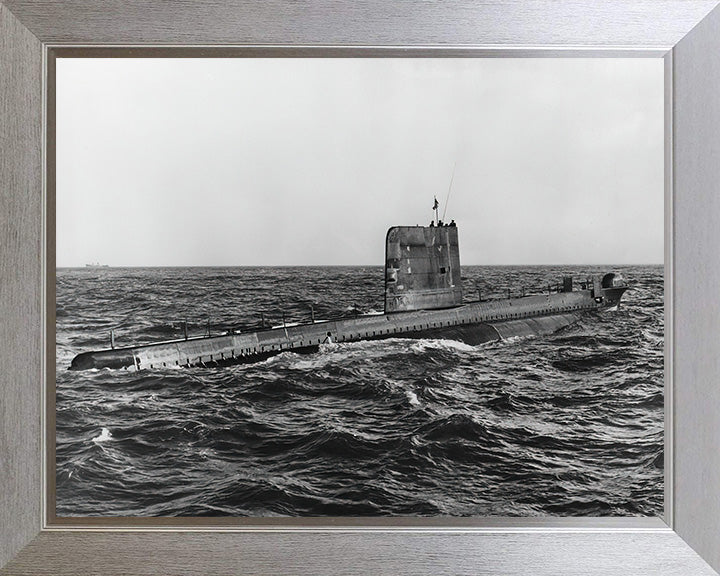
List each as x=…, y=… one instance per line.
x=412, y=397
x=441, y=344
x=104, y=436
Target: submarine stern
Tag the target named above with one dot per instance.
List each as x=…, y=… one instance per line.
x=103, y=359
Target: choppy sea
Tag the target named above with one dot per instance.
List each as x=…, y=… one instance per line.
x=563, y=425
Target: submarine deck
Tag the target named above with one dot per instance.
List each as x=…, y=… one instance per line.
x=474, y=323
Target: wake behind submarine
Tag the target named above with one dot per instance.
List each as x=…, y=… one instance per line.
x=423, y=299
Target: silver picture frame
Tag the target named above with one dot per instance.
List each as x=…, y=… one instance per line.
x=686, y=34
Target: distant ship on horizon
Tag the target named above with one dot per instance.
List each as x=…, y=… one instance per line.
x=96, y=265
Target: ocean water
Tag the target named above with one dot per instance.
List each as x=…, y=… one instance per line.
x=564, y=425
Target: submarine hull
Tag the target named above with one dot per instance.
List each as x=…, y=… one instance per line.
x=423, y=299
x=473, y=323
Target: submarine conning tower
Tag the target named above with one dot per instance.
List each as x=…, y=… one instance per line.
x=422, y=268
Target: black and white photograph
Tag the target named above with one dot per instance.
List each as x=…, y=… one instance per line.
x=359, y=287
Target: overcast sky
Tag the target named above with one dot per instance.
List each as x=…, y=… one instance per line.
x=233, y=162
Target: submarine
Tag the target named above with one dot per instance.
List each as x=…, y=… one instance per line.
x=423, y=299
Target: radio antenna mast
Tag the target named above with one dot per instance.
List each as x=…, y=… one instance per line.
x=449, y=190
